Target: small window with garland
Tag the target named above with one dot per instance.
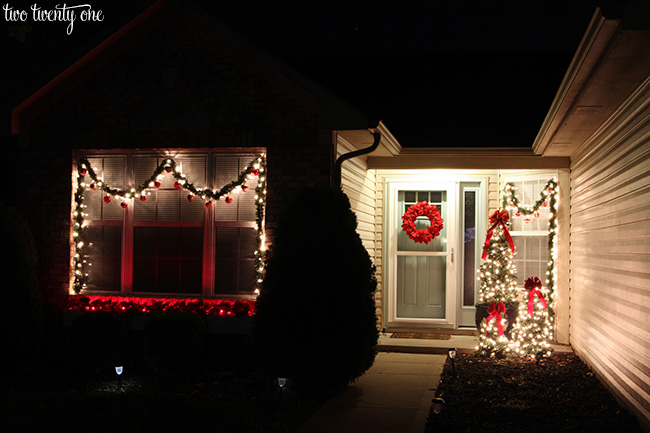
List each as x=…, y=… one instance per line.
x=528, y=204
x=191, y=224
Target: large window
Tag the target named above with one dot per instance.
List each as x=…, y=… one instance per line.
x=188, y=224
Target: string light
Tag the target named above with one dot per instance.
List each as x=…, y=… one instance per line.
x=84, y=168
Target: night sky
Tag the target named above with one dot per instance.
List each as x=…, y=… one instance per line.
x=437, y=72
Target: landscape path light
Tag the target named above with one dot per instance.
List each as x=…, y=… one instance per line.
x=438, y=404
x=452, y=356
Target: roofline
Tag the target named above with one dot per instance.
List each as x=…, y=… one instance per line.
x=597, y=37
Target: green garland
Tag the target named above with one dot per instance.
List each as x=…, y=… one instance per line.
x=254, y=168
x=548, y=198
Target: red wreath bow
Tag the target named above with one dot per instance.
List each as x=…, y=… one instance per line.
x=533, y=284
x=430, y=211
x=496, y=309
x=498, y=217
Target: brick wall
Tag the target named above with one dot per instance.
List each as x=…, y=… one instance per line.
x=224, y=102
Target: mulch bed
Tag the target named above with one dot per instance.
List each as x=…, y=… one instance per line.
x=557, y=394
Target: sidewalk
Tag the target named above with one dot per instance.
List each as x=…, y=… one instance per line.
x=394, y=396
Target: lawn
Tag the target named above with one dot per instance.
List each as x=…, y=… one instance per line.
x=557, y=394
x=222, y=396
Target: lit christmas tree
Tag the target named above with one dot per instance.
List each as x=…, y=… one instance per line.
x=534, y=327
x=497, y=289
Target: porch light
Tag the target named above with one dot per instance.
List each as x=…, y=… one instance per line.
x=438, y=404
x=119, y=370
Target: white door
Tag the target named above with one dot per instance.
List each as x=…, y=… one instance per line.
x=422, y=277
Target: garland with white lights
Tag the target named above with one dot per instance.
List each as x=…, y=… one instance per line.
x=168, y=166
x=548, y=199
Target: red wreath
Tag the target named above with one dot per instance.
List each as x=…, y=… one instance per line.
x=422, y=209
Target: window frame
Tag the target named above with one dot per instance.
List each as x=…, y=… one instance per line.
x=209, y=223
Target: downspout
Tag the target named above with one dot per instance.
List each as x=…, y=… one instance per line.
x=336, y=175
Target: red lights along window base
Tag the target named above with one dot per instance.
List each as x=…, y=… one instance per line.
x=132, y=305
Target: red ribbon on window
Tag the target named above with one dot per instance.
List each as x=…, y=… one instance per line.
x=496, y=309
x=533, y=284
x=498, y=218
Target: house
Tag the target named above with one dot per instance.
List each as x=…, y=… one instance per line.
x=168, y=126
x=595, y=141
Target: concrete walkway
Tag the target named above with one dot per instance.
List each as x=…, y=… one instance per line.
x=394, y=396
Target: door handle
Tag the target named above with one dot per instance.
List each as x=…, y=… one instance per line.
x=452, y=254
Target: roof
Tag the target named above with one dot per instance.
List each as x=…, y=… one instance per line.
x=335, y=113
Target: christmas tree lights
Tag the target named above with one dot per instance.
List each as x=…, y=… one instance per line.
x=534, y=328
x=497, y=287
x=167, y=167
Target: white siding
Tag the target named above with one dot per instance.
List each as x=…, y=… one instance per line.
x=610, y=253
x=358, y=183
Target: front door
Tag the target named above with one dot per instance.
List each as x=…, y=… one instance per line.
x=422, y=277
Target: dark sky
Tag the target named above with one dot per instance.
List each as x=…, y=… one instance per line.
x=437, y=72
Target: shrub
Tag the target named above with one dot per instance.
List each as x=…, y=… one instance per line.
x=315, y=321
x=21, y=308
x=99, y=341
x=174, y=340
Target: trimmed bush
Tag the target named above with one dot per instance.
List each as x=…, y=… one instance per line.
x=21, y=315
x=99, y=341
x=174, y=340
x=315, y=321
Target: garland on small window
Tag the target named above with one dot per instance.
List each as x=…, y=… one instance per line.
x=548, y=199
x=167, y=167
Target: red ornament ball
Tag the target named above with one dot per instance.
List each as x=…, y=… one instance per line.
x=124, y=204
x=156, y=184
x=178, y=184
x=190, y=197
x=244, y=188
x=255, y=171
x=93, y=186
x=228, y=199
x=83, y=171
x=168, y=169
x=545, y=204
x=208, y=203
x=107, y=199
x=143, y=197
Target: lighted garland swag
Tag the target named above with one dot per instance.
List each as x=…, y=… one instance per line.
x=255, y=168
x=548, y=199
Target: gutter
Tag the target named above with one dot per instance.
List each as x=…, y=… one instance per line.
x=336, y=175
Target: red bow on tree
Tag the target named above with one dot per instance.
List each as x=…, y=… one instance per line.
x=533, y=284
x=496, y=309
x=498, y=217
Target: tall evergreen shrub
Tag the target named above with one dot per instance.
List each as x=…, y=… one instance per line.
x=315, y=321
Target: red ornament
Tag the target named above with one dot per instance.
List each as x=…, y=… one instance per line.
x=422, y=209
x=255, y=171
x=518, y=213
x=143, y=197
x=168, y=169
x=190, y=197
x=545, y=204
x=83, y=171
x=107, y=198
x=228, y=199
x=93, y=186
x=244, y=188
x=178, y=184
x=156, y=183
x=536, y=214
x=208, y=203
x=124, y=204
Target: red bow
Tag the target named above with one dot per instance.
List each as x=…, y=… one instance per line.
x=496, y=309
x=498, y=217
x=533, y=285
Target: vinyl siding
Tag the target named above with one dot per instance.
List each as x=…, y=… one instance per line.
x=610, y=253
x=359, y=183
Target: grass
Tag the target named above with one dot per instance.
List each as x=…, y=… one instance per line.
x=223, y=394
